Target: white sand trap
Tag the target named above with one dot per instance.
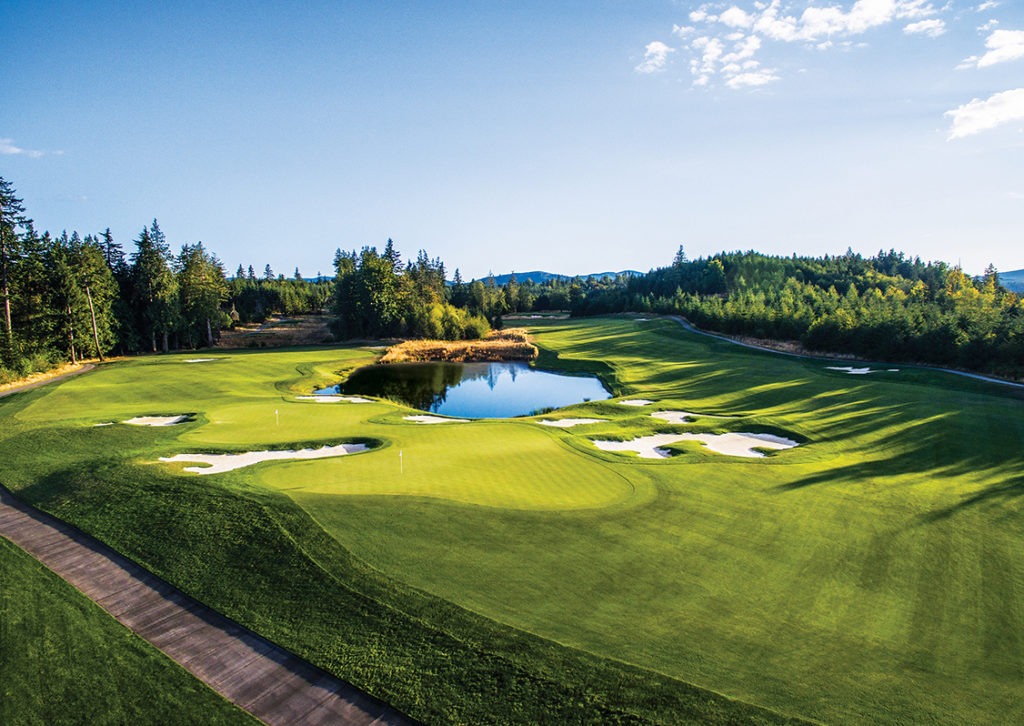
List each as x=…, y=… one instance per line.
x=334, y=399
x=108, y=423
x=434, y=419
x=860, y=371
x=647, y=447
x=564, y=423
x=218, y=463
x=156, y=420
x=740, y=444
x=642, y=320
x=681, y=417
x=635, y=402
x=198, y=360
x=731, y=444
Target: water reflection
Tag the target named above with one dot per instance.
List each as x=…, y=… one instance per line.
x=474, y=390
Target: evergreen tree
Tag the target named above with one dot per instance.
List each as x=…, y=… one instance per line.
x=201, y=288
x=154, y=287
x=12, y=216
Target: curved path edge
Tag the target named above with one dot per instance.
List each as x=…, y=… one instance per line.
x=35, y=384
x=687, y=325
x=272, y=684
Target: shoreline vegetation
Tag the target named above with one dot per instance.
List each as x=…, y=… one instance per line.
x=497, y=346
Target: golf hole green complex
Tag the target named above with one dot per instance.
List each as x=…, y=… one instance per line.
x=854, y=558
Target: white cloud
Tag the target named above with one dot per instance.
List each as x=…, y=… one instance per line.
x=655, y=57
x=988, y=26
x=933, y=28
x=987, y=5
x=744, y=49
x=1003, y=45
x=734, y=17
x=978, y=115
x=744, y=26
x=8, y=148
x=710, y=50
x=754, y=78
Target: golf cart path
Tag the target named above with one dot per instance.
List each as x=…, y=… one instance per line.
x=688, y=326
x=272, y=684
x=85, y=367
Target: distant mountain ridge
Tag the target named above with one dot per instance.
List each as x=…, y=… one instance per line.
x=1012, y=280
x=540, y=276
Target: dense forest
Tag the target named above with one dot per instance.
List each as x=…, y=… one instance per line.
x=69, y=297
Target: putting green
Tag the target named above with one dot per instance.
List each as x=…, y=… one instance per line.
x=872, y=573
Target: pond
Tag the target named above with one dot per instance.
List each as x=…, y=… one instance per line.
x=472, y=390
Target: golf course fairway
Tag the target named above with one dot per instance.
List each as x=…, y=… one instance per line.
x=504, y=571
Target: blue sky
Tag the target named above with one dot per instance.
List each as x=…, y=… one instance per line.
x=570, y=137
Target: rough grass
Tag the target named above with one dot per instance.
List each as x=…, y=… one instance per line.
x=63, y=660
x=498, y=345
x=872, y=574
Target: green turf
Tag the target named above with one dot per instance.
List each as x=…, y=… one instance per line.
x=871, y=574
x=63, y=660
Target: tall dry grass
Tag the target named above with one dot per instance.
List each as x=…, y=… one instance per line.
x=498, y=345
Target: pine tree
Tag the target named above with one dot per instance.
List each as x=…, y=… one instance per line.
x=12, y=216
x=154, y=286
x=201, y=288
x=268, y=274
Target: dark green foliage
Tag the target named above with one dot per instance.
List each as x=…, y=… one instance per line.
x=374, y=296
x=887, y=307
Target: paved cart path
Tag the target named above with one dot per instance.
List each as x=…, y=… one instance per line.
x=272, y=684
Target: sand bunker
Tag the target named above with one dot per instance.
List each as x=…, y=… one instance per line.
x=681, y=417
x=635, y=402
x=218, y=463
x=731, y=444
x=334, y=399
x=642, y=320
x=434, y=419
x=564, y=423
x=198, y=360
x=861, y=371
x=156, y=420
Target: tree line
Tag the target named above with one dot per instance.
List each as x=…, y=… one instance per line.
x=67, y=297
x=886, y=307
